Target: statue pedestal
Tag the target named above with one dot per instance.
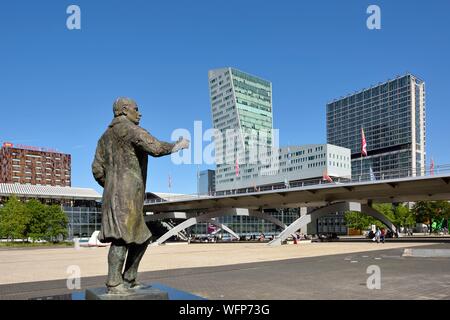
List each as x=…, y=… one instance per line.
x=154, y=291
x=146, y=293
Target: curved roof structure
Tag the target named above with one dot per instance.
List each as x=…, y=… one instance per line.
x=37, y=191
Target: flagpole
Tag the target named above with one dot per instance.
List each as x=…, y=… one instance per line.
x=198, y=178
x=360, y=177
x=170, y=184
x=363, y=150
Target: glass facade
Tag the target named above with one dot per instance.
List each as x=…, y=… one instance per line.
x=248, y=226
x=332, y=223
x=392, y=115
x=83, y=220
x=206, y=182
x=243, y=103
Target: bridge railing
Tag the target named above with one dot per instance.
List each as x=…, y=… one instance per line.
x=374, y=176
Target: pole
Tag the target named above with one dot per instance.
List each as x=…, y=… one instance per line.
x=360, y=177
x=198, y=182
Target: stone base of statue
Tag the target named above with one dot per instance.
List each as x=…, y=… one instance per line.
x=146, y=292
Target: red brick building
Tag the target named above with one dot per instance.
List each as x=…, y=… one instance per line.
x=33, y=165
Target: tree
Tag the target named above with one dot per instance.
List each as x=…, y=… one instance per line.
x=357, y=220
x=403, y=217
x=37, y=225
x=427, y=211
x=32, y=220
x=56, y=223
x=399, y=215
x=387, y=210
x=14, y=219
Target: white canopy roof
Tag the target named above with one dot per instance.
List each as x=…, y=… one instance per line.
x=36, y=191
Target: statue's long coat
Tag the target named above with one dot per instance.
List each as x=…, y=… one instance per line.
x=120, y=167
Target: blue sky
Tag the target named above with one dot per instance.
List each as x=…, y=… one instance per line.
x=57, y=86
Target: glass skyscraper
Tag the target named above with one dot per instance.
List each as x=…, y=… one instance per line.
x=242, y=104
x=392, y=115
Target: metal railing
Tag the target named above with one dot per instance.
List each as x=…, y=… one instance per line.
x=375, y=176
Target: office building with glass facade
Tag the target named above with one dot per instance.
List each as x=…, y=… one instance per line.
x=392, y=115
x=241, y=106
x=207, y=182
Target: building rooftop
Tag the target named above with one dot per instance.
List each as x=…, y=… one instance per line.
x=374, y=86
x=37, y=191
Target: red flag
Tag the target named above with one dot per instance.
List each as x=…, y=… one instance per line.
x=237, y=168
x=211, y=228
x=432, y=167
x=326, y=177
x=363, y=144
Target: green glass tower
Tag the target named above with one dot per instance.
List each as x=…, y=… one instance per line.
x=241, y=106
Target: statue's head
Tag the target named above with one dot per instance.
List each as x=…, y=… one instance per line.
x=127, y=107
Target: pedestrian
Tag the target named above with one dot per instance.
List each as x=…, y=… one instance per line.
x=382, y=235
x=377, y=235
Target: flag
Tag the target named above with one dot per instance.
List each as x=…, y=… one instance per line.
x=432, y=167
x=237, y=168
x=170, y=181
x=211, y=228
x=326, y=177
x=363, y=144
x=372, y=175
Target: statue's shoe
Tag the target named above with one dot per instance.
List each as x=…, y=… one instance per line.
x=120, y=289
x=134, y=285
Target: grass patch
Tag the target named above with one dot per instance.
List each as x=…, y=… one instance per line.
x=34, y=244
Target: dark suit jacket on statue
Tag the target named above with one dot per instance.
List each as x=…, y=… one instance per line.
x=120, y=167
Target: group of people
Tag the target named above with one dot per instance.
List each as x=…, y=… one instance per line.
x=378, y=236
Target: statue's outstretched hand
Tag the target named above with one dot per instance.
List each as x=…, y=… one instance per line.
x=182, y=143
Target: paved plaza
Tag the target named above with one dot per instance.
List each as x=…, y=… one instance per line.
x=336, y=270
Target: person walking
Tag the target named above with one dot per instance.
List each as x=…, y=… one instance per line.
x=382, y=235
x=377, y=235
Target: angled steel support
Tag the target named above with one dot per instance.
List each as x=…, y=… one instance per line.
x=205, y=217
x=307, y=218
x=336, y=207
x=224, y=227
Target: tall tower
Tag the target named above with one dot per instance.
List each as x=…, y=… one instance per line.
x=392, y=115
x=241, y=106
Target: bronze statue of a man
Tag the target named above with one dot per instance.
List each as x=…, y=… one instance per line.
x=120, y=167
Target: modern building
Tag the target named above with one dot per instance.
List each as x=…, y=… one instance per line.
x=32, y=165
x=241, y=106
x=297, y=165
x=81, y=205
x=392, y=115
x=207, y=182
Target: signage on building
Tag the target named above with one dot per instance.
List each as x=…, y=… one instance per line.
x=21, y=146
